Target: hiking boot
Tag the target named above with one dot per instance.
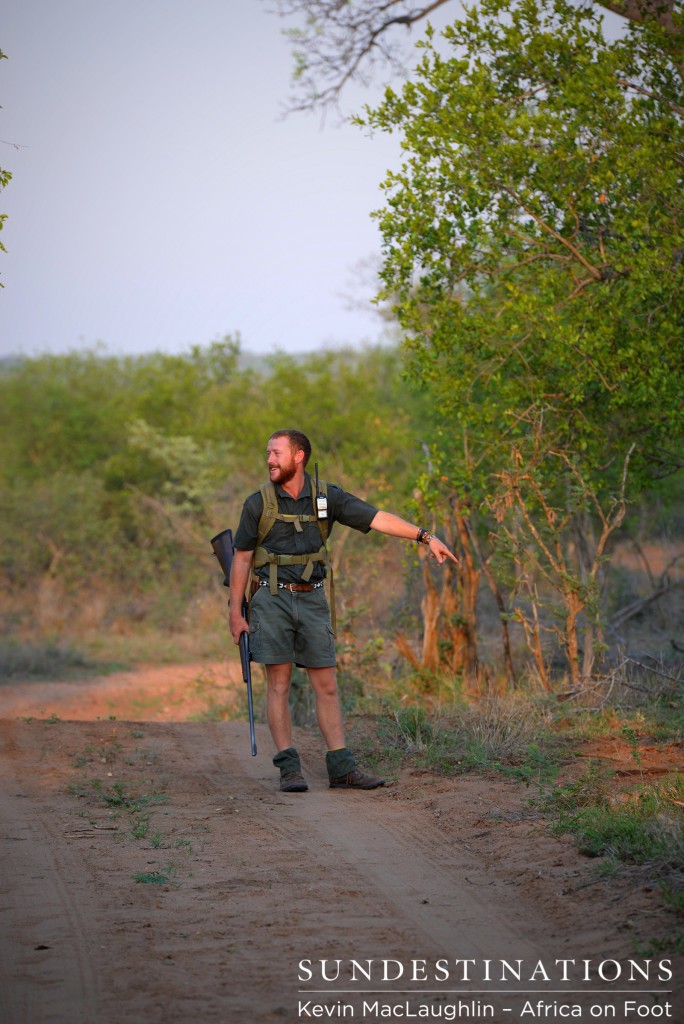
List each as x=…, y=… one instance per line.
x=293, y=782
x=356, y=780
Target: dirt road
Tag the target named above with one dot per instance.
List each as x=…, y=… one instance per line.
x=151, y=871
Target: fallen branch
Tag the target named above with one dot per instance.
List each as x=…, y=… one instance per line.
x=637, y=606
x=657, y=672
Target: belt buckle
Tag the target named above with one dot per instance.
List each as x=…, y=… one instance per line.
x=289, y=586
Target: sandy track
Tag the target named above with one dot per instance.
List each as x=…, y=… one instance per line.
x=257, y=881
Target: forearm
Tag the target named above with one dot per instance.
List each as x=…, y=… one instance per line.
x=395, y=526
x=240, y=572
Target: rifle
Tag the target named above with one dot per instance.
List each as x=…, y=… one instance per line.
x=224, y=550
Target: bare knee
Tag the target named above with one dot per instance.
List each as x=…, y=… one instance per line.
x=323, y=682
x=278, y=678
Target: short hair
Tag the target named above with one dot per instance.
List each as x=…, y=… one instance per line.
x=298, y=441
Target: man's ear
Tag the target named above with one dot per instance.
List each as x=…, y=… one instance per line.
x=299, y=455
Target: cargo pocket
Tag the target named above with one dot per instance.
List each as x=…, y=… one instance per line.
x=255, y=639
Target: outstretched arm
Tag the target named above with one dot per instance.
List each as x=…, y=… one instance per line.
x=395, y=526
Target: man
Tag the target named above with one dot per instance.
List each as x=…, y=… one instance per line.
x=289, y=613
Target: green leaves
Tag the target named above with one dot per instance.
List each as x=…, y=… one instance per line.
x=533, y=236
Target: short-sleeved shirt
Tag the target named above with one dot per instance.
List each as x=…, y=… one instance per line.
x=283, y=539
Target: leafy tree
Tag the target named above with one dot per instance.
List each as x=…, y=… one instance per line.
x=533, y=251
x=534, y=237
x=338, y=43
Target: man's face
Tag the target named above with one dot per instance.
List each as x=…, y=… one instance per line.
x=280, y=457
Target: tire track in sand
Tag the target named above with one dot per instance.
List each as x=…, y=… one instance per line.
x=45, y=928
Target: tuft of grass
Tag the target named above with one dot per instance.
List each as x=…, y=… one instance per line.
x=667, y=944
x=417, y=728
x=511, y=737
x=591, y=790
x=643, y=826
x=150, y=877
x=506, y=736
x=673, y=898
x=658, y=715
x=119, y=798
x=140, y=828
x=157, y=877
x=108, y=753
x=84, y=788
x=608, y=868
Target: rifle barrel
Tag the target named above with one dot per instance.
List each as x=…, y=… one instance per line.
x=247, y=677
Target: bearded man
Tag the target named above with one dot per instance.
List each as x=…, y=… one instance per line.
x=280, y=554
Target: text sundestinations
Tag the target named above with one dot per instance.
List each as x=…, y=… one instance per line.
x=485, y=970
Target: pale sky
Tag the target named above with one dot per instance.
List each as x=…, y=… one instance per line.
x=159, y=200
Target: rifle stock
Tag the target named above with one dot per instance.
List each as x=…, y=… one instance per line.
x=224, y=550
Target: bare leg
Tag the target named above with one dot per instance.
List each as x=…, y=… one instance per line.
x=328, y=711
x=277, y=707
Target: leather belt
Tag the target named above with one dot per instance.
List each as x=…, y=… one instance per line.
x=295, y=588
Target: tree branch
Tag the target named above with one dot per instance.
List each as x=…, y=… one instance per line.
x=643, y=11
x=338, y=39
x=594, y=271
x=651, y=95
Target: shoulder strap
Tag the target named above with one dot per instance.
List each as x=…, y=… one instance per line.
x=269, y=513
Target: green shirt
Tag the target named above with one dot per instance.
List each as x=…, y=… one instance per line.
x=283, y=539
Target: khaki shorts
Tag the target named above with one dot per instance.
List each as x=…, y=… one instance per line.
x=291, y=627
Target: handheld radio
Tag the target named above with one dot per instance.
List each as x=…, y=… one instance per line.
x=321, y=500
